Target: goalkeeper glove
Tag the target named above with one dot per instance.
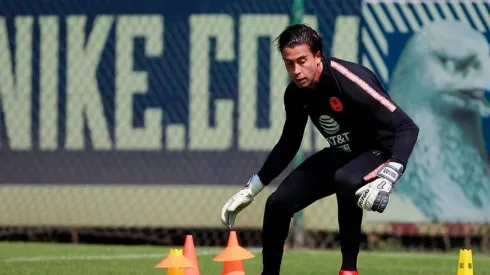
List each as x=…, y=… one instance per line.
x=240, y=200
x=375, y=195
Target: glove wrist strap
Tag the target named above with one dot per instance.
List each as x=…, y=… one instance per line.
x=254, y=185
x=391, y=171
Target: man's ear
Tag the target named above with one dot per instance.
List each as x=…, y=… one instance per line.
x=318, y=57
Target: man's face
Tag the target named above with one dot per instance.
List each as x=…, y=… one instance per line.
x=302, y=65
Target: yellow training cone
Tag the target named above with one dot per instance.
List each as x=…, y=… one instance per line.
x=175, y=262
x=465, y=262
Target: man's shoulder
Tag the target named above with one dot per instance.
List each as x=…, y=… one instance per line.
x=341, y=65
x=344, y=69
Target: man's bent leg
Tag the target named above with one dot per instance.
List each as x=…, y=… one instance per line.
x=306, y=184
x=289, y=198
x=348, y=179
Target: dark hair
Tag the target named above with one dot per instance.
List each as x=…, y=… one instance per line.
x=298, y=34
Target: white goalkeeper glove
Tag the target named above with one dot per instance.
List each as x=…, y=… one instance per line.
x=375, y=195
x=240, y=200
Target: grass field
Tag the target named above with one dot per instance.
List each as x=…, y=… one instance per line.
x=57, y=259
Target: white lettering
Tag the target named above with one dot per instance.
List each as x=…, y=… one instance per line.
x=129, y=82
x=339, y=139
x=201, y=136
x=252, y=27
x=83, y=96
x=175, y=137
x=15, y=86
x=48, y=86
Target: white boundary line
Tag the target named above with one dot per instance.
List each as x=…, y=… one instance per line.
x=382, y=254
x=104, y=257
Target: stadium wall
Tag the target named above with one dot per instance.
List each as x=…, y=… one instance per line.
x=145, y=114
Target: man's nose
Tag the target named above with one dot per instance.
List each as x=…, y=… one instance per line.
x=296, y=70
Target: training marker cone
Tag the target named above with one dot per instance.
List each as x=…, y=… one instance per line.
x=465, y=262
x=175, y=263
x=190, y=253
x=232, y=256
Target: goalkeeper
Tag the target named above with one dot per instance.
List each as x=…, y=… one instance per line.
x=370, y=139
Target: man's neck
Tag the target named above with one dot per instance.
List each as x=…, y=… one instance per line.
x=318, y=75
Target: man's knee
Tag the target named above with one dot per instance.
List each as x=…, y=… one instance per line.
x=347, y=182
x=278, y=205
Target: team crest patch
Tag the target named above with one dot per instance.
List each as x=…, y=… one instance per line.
x=336, y=104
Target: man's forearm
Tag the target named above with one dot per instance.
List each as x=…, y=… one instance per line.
x=404, y=142
x=279, y=158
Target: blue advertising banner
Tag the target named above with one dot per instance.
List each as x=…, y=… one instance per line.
x=191, y=92
x=143, y=91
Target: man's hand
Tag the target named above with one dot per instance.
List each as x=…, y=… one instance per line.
x=240, y=200
x=375, y=195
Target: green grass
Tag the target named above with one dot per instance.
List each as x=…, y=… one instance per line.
x=58, y=259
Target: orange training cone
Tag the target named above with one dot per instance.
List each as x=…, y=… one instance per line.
x=175, y=263
x=233, y=268
x=232, y=256
x=190, y=253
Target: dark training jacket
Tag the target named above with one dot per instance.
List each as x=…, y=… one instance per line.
x=351, y=109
